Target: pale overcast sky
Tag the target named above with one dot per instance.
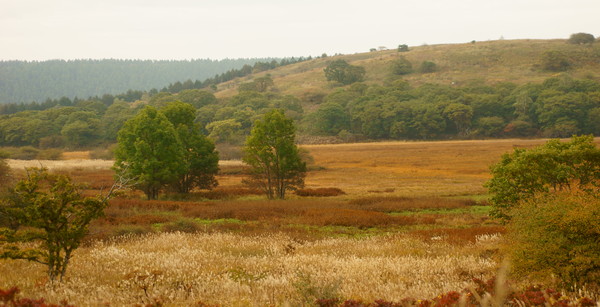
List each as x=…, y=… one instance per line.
x=216, y=29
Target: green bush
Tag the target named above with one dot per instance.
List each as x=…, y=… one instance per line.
x=557, y=234
x=50, y=154
x=26, y=153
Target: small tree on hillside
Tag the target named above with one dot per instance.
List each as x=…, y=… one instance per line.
x=344, y=73
x=555, y=166
x=402, y=66
x=273, y=156
x=49, y=211
x=581, y=38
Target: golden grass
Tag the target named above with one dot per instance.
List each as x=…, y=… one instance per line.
x=267, y=270
x=437, y=168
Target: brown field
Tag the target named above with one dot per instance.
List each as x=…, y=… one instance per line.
x=444, y=168
x=375, y=221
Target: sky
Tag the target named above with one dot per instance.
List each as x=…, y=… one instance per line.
x=217, y=29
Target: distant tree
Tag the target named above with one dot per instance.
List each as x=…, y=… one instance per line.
x=344, y=73
x=555, y=166
x=427, y=67
x=197, y=98
x=461, y=115
x=263, y=83
x=581, y=38
x=201, y=161
x=403, y=48
x=331, y=118
x=224, y=131
x=555, y=61
x=82, y=128
x=49, y=211
x=490, y=126
x=149, y=152
x=273, y=156
x=402, y=66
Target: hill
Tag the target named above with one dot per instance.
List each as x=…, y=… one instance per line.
x=489, y=62
x=22, y=81
x=495, y=89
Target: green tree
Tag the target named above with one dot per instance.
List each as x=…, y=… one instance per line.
x=344, y=73
x=555, y=166
x=149, y=152
x=461, y=115
x=82, y=128
x=273, y=156
x=224, y=131
x=581, y=38
x=402, y=66
x=403, y=48
x=331, y=118
x=201, y=161
x=49, y=211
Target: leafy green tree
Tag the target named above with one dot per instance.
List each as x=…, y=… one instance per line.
x=224, y=131
x=149, y=152
x=555, y=166
x=273, y=156
x=490, y=126
x=461, y=115
x=331, y=118
x=197, y=98
x=344, y=73
x=82, y=128
x=581, y=38
x=201, y=161
x=49, y=211
x=402, y=66
x=114, y=118
x=403, y=48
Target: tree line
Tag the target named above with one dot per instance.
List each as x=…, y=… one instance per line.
x=22, y=81
x=560, y=106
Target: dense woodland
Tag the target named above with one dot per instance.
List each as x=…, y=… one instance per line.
x=36, y=81
x=558, y=107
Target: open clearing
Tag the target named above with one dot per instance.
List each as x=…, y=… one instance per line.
x=413, y=223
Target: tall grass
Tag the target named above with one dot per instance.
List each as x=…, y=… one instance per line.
x=232, y=270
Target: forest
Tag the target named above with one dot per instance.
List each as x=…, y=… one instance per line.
x=560, y=106
x=22, y=81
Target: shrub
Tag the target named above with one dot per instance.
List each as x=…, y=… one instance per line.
x=555, y=61
x=320, y=192
x=182, y=225
x=26, y=153
x=558, y=234
x=50, y=154
x=402, y=66
x=428, y=67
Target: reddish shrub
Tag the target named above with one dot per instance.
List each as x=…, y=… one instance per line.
x=399, y=203
x=320, y=192
x=458, y=235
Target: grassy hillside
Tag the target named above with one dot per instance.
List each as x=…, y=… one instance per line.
x=516, y=61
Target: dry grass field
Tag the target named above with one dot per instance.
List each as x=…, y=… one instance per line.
x=412, y=223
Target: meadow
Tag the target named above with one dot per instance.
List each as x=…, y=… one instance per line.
x=376, y=221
